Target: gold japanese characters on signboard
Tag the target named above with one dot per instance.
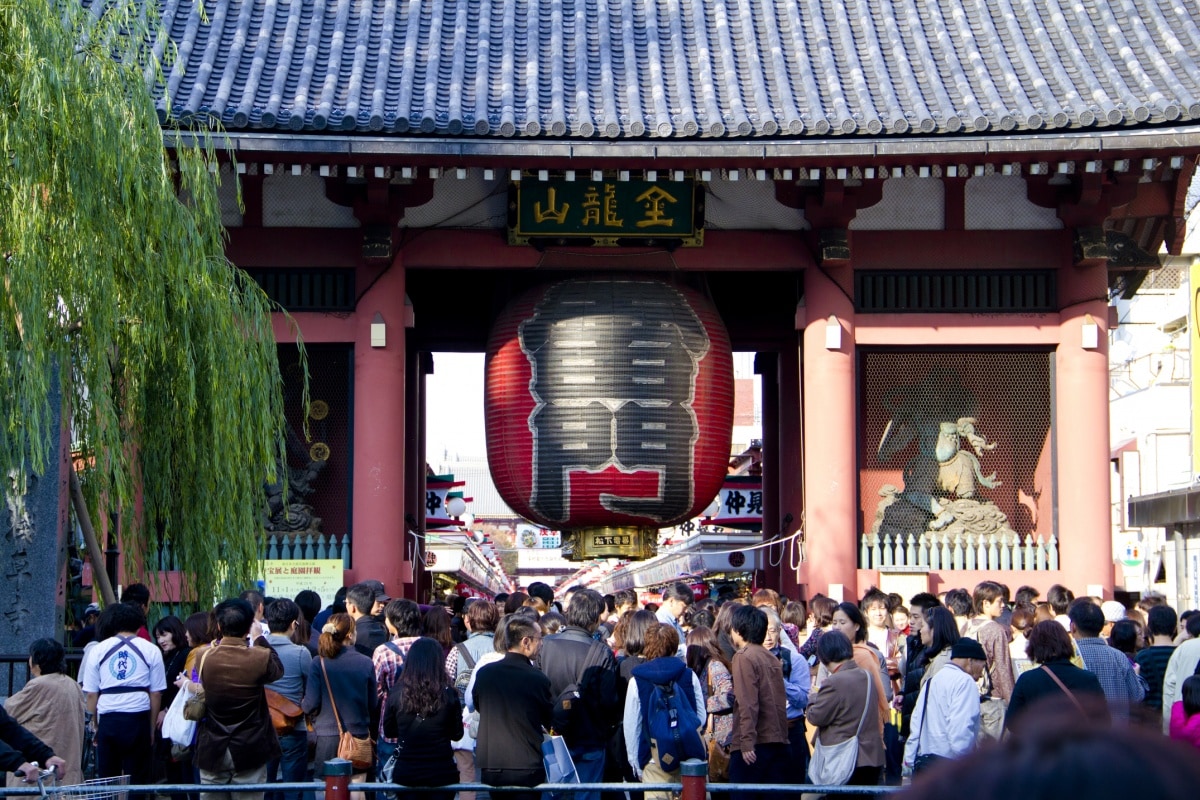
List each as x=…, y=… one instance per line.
x=607, y=212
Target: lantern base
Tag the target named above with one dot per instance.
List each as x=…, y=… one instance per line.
x=630, y=542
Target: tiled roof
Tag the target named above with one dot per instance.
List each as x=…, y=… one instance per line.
x=608, y=69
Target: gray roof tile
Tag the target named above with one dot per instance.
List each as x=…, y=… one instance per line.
x=597, y=69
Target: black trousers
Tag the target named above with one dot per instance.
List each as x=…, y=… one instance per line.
x=514, y=777
x=770, y=766
x=124, y=746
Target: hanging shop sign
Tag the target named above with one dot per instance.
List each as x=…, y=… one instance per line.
x=739, y=504
x=609, y=410
x=608, y=212
x=438, y=489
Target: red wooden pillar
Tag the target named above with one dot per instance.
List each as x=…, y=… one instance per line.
x=791, y=468
x=377, y=538
x=766, y=365
x=830, y=474
x=1085, y=552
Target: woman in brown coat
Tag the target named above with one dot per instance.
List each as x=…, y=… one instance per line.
x=845, y=704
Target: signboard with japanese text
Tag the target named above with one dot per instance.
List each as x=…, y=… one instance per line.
x=607, y=212
x=740, y=502
x=289, y=577
x=529, y=536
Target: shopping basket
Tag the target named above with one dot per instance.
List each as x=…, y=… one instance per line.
x=95, y=789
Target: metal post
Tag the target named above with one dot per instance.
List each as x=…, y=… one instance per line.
x=337, y=779
x=695, y=777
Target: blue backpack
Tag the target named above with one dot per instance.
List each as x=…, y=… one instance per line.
x=670, y=721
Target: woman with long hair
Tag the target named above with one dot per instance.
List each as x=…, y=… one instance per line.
x=436, y=625
x=340, y=692
x=938, y=633
x=171, y=637
x=704, y=657
x=424, y=716
x=199, y=631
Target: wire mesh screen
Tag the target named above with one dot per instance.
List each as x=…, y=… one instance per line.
x=955, y=444
x=319, y=466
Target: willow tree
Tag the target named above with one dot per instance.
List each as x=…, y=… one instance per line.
x=115, y=282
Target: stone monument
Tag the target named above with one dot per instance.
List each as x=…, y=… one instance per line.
x=33, y=523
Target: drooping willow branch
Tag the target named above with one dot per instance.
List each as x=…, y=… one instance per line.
x=102, y=223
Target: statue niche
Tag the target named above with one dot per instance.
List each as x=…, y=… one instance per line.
x=942, y=478
x=295, y=516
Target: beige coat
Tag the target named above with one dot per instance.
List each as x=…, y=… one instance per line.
x=51, y=708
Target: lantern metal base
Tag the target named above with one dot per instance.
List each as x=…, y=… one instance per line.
x=629, y=542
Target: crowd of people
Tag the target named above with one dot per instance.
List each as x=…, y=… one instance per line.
x=764, y=690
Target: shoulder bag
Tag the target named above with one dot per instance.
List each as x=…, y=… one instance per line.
x=1066, y=691
x=718, y=754
x=832, y=765
x=285, y=712
x=359, y=752
x=923, y=761
x=194, y=708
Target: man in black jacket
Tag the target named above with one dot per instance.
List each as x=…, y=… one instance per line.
x=514, y=703
x=583, y=678
x=20, y=750
x=368, y=633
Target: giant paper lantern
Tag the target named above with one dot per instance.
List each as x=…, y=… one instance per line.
x=609, y=404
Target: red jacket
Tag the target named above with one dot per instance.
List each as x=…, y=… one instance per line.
x=1185, y=730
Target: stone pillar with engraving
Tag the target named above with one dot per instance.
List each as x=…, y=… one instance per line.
x=32, y=556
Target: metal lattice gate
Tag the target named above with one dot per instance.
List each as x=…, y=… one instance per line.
x=956, y=460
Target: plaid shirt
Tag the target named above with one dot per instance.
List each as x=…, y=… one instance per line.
x=1122, y=686
x=388, y=664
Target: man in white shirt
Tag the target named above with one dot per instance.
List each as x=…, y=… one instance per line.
x=945, y=721
x=124, y=681
x=676, y=599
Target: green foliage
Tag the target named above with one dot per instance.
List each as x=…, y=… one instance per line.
x=113, y=264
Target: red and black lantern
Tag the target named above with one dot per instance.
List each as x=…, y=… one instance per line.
x=609, y=406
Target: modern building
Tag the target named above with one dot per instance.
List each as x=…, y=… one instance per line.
x=915, y=215
x=1156, y=502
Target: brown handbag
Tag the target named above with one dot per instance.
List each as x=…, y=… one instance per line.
x=285, y=713
x=718, y=755
x=359, y=752
x=195, y=707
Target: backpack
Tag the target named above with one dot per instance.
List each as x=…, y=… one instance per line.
x=464, y=675
x=575, y=705
x=670, y=721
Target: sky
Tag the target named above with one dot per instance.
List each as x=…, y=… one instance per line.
x=454, y=407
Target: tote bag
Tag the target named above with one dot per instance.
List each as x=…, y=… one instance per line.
x=832, y=765
x=175, y=726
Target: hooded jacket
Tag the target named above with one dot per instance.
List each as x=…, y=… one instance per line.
x=668, y=669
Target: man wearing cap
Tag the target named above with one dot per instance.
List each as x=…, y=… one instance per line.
x=1113, y=612
x=360, y=602
x=945, y=721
